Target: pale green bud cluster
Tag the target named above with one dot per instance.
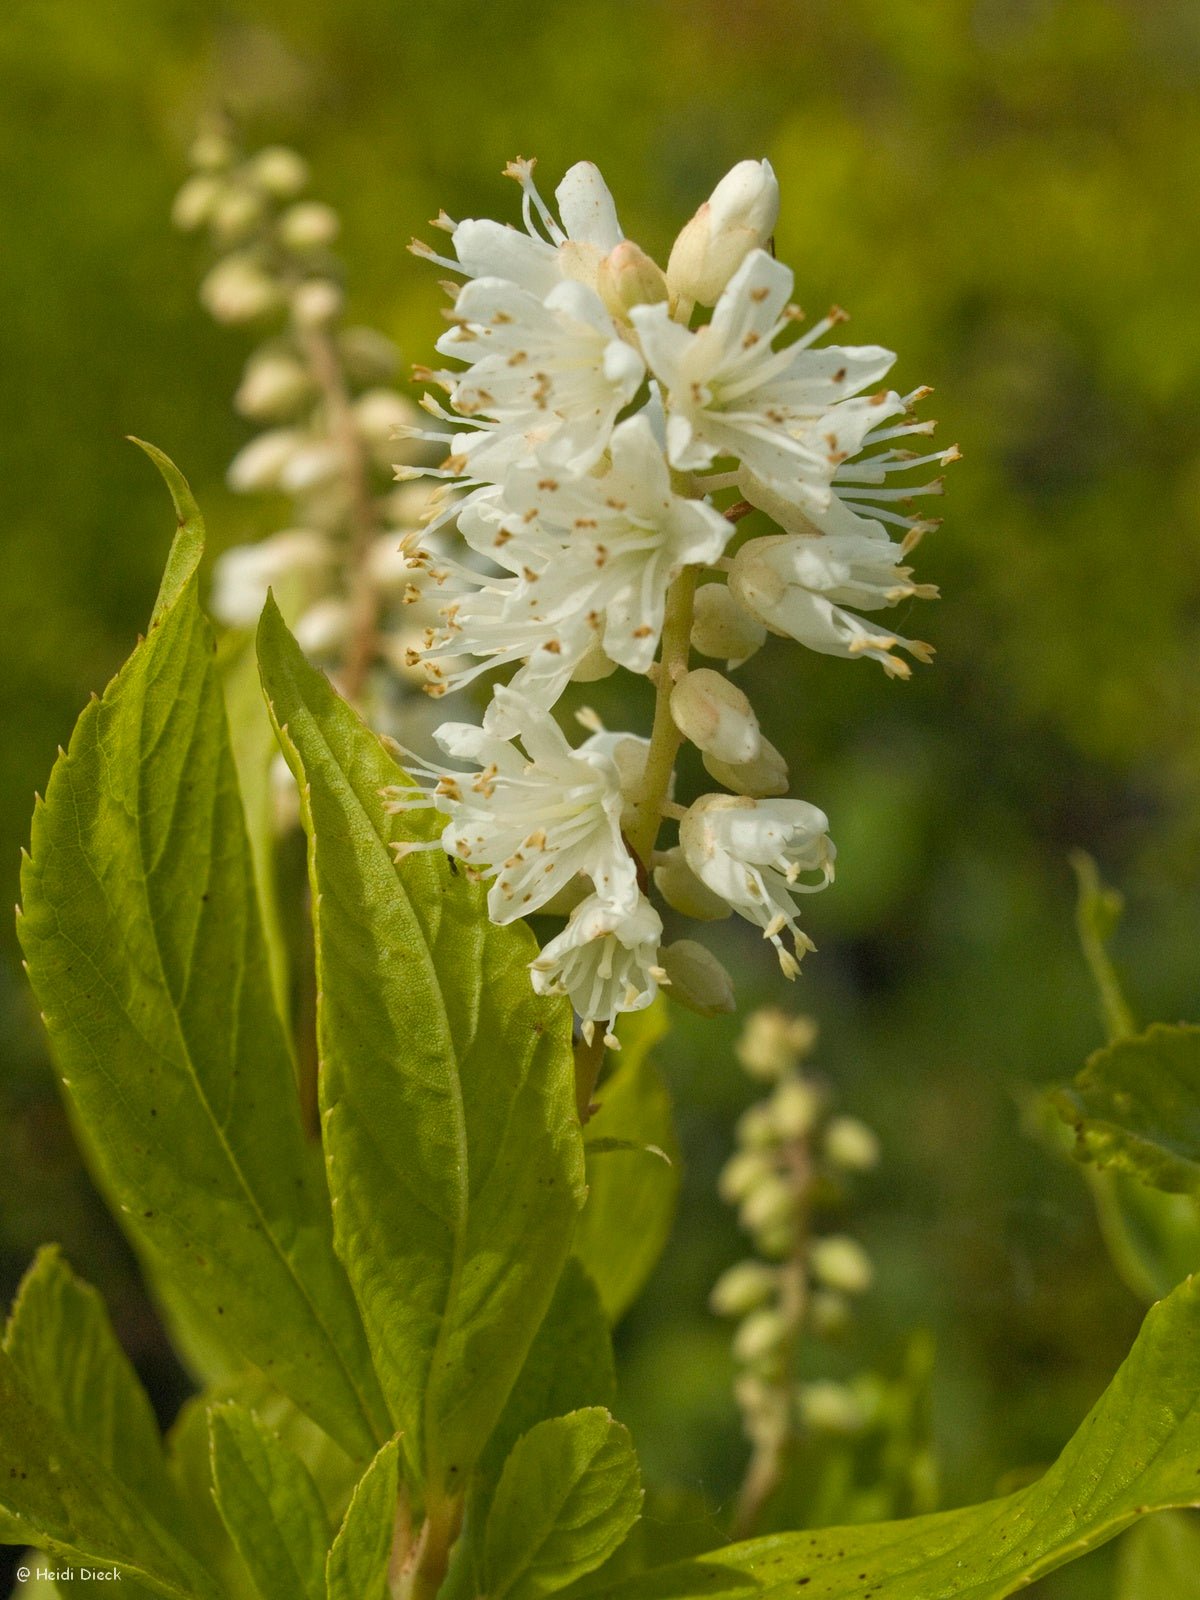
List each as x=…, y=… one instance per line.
x=321, y=393
x=787, y=1173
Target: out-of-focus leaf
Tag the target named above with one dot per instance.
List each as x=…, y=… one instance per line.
x=446, y=1090
x=1136, y=1452
x=1159, y=1558
x=1136, y=1106
x=631, y=1195
x=357, y=1568
x=60, y=1340
x=61, y=1499
x=141, y=929
x=569, y=1493
x=270, y=1506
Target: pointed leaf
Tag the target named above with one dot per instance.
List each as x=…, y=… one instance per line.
x=143, y=941
x=569, y=1494
x=61, y=1499
x=358, y=1562
x=1136, y=1106
x=61, y=1341
x=1138, y=1451
x=631, y=1193
x=270, y=1506
x=446, y=1090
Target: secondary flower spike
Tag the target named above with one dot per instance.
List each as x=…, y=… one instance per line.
x=602, y=439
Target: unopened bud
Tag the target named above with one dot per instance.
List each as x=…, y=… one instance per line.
x=316, y=303
x=829, y=1314
x=766, y=775
x=756, y=1128
x=273, y=385
x=840, y=1262
x=851, y=1145
x=243, y=574
x=316, y=462
x=697, y=979
x=629, y=277
x=795, y=1107
x=368, y=356
x=771, y=1042
x=742, y=1173
x=771, y=1204
x=211, y=151
x=239, y=290
x=311, y=225
x=829, y=1407
x=322, y=630
x=743, y=1288
x=279, y=171
x=683, y=890
x=716, y=716
x=593, y=665
x=236, y=214
x=723, y=628
x=258, y=465
x=379, y=413
x=195, y=201
x=760, y=1337
x=738, y=217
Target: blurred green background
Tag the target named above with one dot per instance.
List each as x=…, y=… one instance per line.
x=1004, y=191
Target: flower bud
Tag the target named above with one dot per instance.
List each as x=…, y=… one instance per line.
x=743, y=1288
x=195, y=201
x=760, y=1337
x=629, y=277
x=278, y=171
x=235, y=214
x=770, y=1204
x=380, y=412
x=795, y=1107
x=311, y=225
x=273, y=385
x=851, y=1145
x=766, y=775
x=239, y=290
x=321, y=631
x=211, y=151
x=697, y=979
x=772, y=1043
x=716, y=716
x=742, y=1173
x=829, y=1314
x=840, y=1262
x=829, y=1407
x=756, y=1128
x=315, y=462
x=594, y=665
x=316, y=303
x=257, y=465
x=723, y=628
x=683, y=891
x=368, y=356
x=739, y=216
x=243, y=574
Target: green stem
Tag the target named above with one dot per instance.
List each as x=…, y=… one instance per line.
x=665, y=737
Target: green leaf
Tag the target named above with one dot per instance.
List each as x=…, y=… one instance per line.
x=631, y=1195
x=270, y=1506
x=568, y=1495
x=446, y=1090
x=142, y=937
x=62, y=1499
x=1136, y=1106
x=1138, y=1451
x=60, y=1340
x=357, y=1568
x=1159, y=1558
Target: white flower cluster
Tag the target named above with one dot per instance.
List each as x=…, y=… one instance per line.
x=321, y=393
x=611, y=423
x=791, y=1164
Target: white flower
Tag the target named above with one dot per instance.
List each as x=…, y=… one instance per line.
x=787, y=413
x=738, y=217
x=551, y=375
x=752, y=853
x=532, y=820
x=605, y=960
x=590, y=560
x=537, y=262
